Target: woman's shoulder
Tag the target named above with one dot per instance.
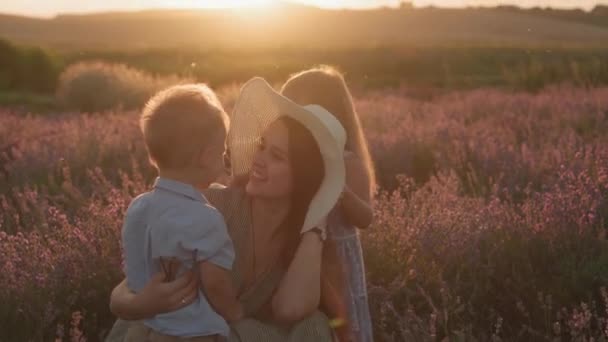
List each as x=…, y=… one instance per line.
x=225, y=199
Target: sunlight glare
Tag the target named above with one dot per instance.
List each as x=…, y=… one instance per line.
x=219, y=4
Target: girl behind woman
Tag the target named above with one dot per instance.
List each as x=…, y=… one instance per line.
x=326, y=87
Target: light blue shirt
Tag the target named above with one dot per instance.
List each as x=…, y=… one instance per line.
x=176, y=220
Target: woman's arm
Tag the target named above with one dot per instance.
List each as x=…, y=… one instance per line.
x=156, y=297
x=356, y=201
x=299, y=292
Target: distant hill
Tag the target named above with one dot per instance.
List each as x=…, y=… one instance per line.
x=597, y=16
x=307, y=27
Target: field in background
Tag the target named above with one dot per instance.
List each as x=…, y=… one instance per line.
x=490, y=224
x=33, y=75
x=429, y=49
x=300, y=27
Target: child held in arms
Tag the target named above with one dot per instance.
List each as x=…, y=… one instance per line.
x=173, y=228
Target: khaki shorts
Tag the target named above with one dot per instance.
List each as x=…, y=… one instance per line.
x=140, y=333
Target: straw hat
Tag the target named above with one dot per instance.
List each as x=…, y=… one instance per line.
x=257, y=107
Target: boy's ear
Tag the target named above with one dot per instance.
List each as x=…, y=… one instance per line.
x=204, y=157
x=207, y=156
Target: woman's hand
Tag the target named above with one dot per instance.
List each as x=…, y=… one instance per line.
x=156, y=297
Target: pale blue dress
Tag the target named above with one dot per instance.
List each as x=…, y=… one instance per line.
x=348, y=244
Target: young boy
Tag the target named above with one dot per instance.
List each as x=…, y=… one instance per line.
x=173, y=228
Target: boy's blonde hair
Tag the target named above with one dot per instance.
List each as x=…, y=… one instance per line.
x=325, y=86
x=180, y=121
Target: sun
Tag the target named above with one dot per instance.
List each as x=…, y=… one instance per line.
x=219, y=4
x=250, y=3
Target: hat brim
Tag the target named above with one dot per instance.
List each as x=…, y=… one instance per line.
x=259, y=106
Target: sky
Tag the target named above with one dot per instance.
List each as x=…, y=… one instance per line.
x=49, y=8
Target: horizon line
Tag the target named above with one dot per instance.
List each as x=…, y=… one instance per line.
x=217, y=9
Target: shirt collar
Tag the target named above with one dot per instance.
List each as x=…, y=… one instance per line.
x=179, y=188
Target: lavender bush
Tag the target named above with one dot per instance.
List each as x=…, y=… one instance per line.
x=98, y=86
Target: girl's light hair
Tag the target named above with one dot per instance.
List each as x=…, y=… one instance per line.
x=325, y=86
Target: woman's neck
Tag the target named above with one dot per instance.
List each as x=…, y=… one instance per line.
x=268, y=215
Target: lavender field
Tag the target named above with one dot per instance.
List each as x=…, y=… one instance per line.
x=490, y=222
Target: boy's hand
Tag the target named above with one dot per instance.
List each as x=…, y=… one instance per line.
x=159, y=296
x=170, y=266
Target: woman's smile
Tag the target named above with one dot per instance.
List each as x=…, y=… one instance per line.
x=270, y=175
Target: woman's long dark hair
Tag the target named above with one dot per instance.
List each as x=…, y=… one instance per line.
x=308, y=171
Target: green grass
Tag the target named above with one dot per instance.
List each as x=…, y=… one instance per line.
x=34, y=103
x=380, y=67
x=431, y=69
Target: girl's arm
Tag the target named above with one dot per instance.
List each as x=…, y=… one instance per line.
x=156, y=297
x=356, y=199
x=299, y=292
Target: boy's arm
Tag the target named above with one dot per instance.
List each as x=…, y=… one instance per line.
x=213, y=251
x=219, y=290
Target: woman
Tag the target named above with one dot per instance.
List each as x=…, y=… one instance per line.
x=287, y=163
x=326, y=87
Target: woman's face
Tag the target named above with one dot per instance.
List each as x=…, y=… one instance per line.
x=271, y=175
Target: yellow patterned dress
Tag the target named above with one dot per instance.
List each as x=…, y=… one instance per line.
x=234, y=205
